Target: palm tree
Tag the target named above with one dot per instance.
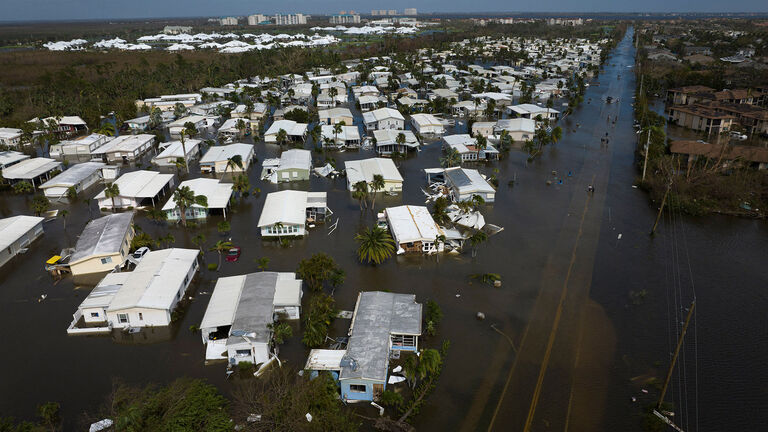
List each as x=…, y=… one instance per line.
x=241, y=184
x=452, y=158
x=168, y=239
x=337, y=128
x=282, y=137
x=107, y=129
x=241, y=126
x=279, y=228
x=556, y=134
x=64, y=214
x=112, y=191
x=360, y=193
x=23, y=187
x=221, y=246
x=481, y=144
x=375, y=245
x=184, y=197
x=439, y=210
x=155, y=117
x=179, y=163
x=262, y=263
x=316, y=133
x=376, y=185
x=476, y=239
x=189, y=131
x=235, y=161
x=400, y=140
x=333, y=92
x=199, y=241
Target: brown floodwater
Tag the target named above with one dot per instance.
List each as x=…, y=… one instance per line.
x=572, y=337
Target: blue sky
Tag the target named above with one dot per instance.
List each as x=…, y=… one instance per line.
x=11, y=10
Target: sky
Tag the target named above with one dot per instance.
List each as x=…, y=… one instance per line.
x=24, y=10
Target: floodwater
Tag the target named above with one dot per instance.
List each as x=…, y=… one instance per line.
x=569, y=340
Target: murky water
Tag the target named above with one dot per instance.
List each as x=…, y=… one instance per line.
x=555, y=237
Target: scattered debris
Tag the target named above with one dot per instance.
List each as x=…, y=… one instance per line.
x=309, y=417
x=101, y=425
x=480, y=316
x=253, y=418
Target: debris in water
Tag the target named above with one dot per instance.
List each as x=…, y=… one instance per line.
x=644, y=391
x=42, y=297
x=619, y=238
x=480, y=316
x=309, y=417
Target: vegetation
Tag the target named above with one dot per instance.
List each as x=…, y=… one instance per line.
x=23, y=187
x=375, y=245
x=280, y=332
x=318, y=270
x=142, y=239
x=40, y=204
x=221, y=247
x=282, y=399
x=317, y=319
x=432, y=317
x=184, y=197
x=360, y=193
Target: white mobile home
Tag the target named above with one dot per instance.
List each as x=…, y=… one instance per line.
x=532, y=111
x=216, y=160
x=137, y=189
x=79, y=176
x=286, y=213
x=125, y=148
x=383, y=118
x=79, y=148
x=427, y=124
x=103, y=245
x=173, y=150
x=292, y=165
x=336, y=115
x=348, y=137
x=295, y=131
x=10, y=137
x=463, y=183
x=217, y=193
x=467, y=148
x=414, y=230
x=35, y=170
x=10, y=157
x=366, y=169
x=17, y=233
x=200, y=122
x=237, y=322
x=386, y=141
x=519, y=129
x=146, y=296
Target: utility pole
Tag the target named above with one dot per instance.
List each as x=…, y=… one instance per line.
x=661, y=209
x=658, y=411
x=647, y=146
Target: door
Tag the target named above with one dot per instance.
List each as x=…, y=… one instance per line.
x=378, y=389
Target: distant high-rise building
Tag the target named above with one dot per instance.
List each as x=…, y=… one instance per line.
x=290, y=19
x=410, y=12
x=257, y=19
x=228, y=21
x=343, y=18
x=391, y=12
x=382, y=12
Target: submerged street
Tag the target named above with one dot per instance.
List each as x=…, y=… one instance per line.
x=561, y=341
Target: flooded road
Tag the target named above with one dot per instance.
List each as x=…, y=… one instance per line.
x=571, y=338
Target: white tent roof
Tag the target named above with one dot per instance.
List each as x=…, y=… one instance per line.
x=218, y=193
x=412, y=223
x=156, y=280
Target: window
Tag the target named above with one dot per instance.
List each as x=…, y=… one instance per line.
x=141, y=316
x=106, y=260
x=294, y=174
x=403, y=341
x=243, y=353
x=358, y=388
x=123, y=318
x=94, y=314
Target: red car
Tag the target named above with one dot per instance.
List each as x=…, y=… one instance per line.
x=234, y=254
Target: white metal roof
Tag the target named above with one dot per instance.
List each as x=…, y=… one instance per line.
x=222, y=153
x=9, y=157
x=74, y=175
x=288, y=206
x=218, y=193
x=12, y=228
x=126, y=143
x=517, y=125
x=389, y=136
x=467, y=181
x=325, y=359
x=296, y=159
x=102, y=236
x=412, y=223
x=460, y=142
x=30, y=168
x=382, y=114
x=155, y=281
x=140, y=184
x=101, y=295
x=289, y=126
x=365, y=169
x=223, y=303
x=9, y=132
x=348, y=133
x=426, y=120
x=174, y=149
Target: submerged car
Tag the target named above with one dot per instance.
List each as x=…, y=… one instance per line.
x=234, y=254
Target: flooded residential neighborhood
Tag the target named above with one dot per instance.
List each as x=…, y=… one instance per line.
x=456, y=237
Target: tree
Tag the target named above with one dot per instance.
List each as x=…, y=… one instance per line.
x=375, y=245
x=396, y=156
x=49, y=414
x=440, y=210
x=452, y=158
x=40, y=204
x=476, y=239
x=223, y=227
x=155, y=117
x=107, y=129
x=432, y=317
x=184, y=198
x=179, y=110
x=376, y=185
x=241, y=184
x=221, y=246
x=189, y=131
x=262, y=263
x=112, y=191
x=400, y=139
x=316, y=133
x=241, y=126
x=337, y=128
x=556, y=134
x=23, y=187
x=63, y=213
x=72, y=193
x=282, y=137
x=482, y=144
x=318, y=269
x=360, y=193
x=236, y=161
x=317, y=318
x=142, y=239
x=199, y=241
x=280, y=332
x=180, y=164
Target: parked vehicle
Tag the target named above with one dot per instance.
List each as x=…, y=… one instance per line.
x=233, y=255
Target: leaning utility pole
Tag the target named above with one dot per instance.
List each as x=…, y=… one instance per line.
x=658, y=410
x=647, y=146
x=661, y=209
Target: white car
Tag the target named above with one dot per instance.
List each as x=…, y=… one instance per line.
x=139, y=253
